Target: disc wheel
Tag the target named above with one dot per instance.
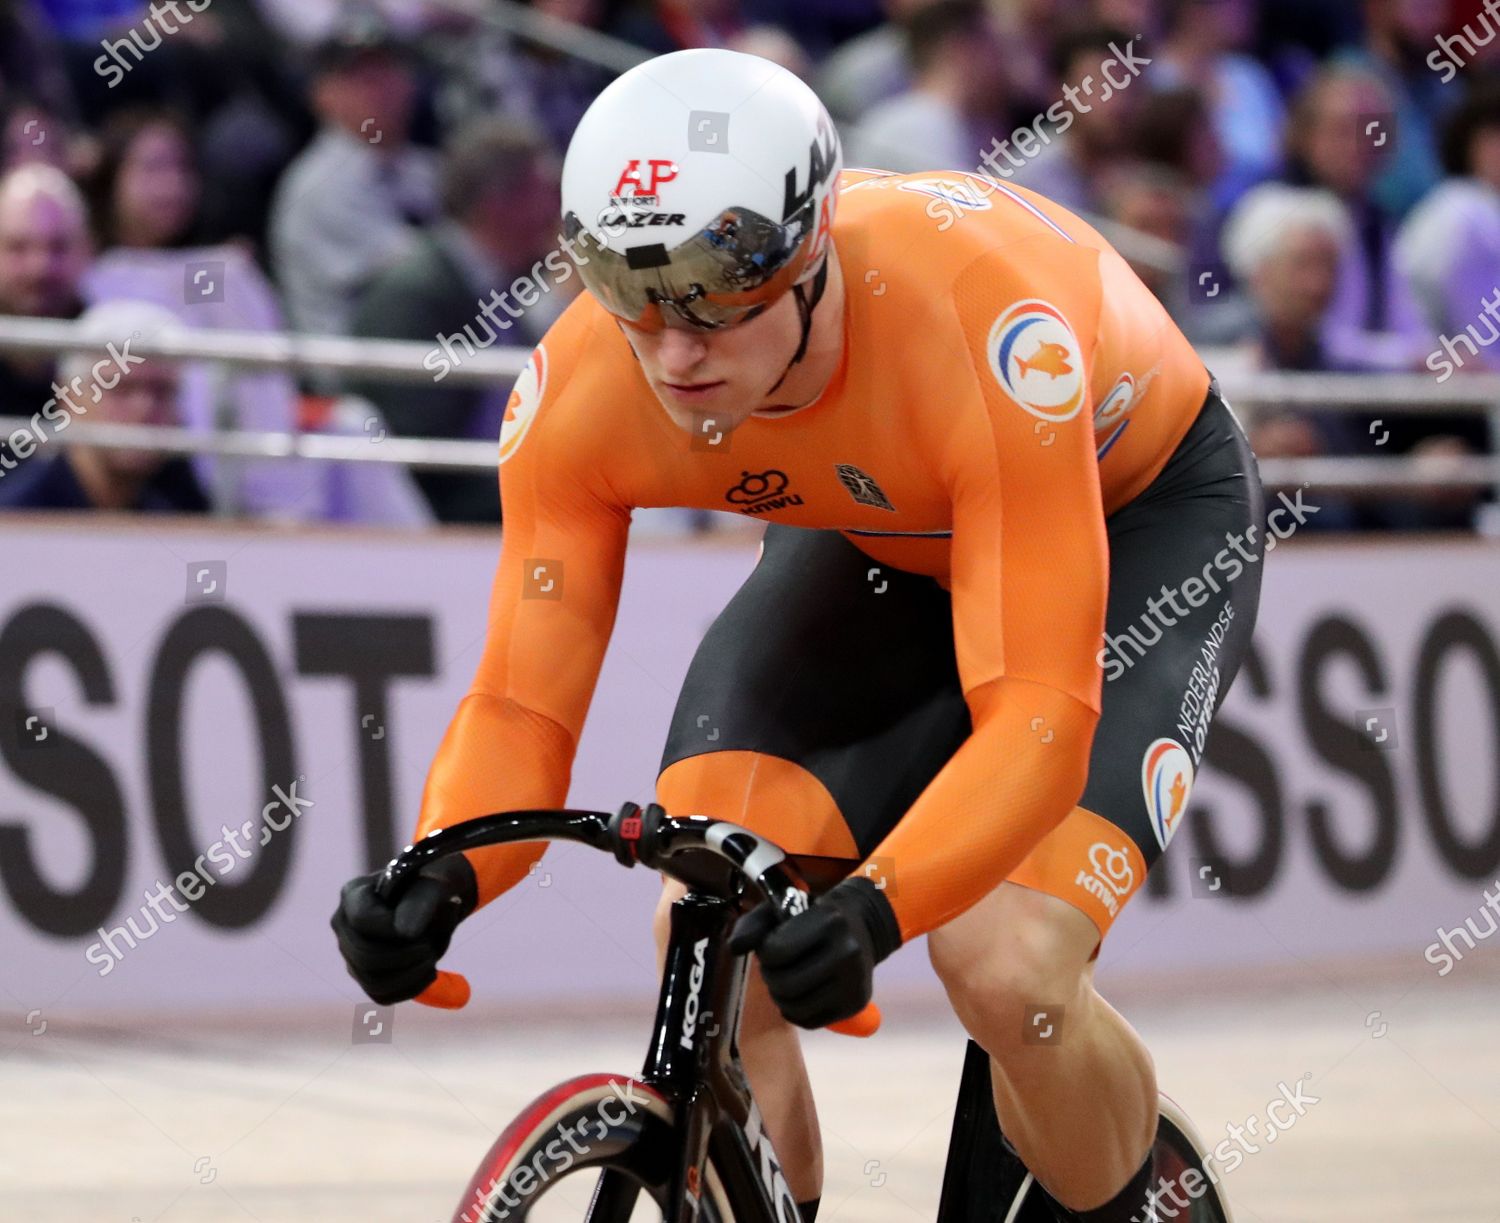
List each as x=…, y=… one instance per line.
x=600, y=1148
x=1179, y=1149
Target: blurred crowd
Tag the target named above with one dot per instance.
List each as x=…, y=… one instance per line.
x=1309, y=185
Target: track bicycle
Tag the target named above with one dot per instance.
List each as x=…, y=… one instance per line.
x=684, y=1140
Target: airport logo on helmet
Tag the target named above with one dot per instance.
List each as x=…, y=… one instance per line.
x=698, y=188
x=643, y=192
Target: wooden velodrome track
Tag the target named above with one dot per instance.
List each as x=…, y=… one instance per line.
x=291, y=1122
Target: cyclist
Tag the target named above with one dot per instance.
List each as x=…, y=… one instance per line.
x=988, y=462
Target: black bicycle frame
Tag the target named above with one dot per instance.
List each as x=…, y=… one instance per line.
x=694, y=1058
x=694, y=1061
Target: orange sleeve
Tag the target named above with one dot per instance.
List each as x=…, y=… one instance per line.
x=1029, y=581
x=552, y=608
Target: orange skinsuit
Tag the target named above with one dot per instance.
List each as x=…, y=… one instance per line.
x=983, y=335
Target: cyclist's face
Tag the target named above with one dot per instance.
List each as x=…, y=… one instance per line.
x=715, y=379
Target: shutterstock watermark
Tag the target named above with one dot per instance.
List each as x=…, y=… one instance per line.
x=157, y=23
x=105, y=953
x=1469, y=932
x=1230, y=561
x=1446, y=354
x=1446, y=58
x=1168, y=1199
x=525, y=290
x=1030, y=140
x=24, y=441
x=497, y=1199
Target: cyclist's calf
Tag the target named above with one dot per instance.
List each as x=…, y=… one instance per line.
x=1074, y=1086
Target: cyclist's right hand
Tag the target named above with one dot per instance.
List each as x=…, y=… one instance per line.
x=393, y=951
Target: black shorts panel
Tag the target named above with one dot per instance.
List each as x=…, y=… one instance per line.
x=852, y=678
x=848, y=668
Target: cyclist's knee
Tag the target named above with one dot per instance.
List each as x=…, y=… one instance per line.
x=1017, y=953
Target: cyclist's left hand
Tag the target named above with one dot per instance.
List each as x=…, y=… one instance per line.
x=819, y=965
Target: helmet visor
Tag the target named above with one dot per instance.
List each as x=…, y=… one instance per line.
x=720, y=276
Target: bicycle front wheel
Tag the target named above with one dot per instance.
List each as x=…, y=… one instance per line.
x=600, y=1148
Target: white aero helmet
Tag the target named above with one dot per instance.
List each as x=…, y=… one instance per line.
x=699, y=187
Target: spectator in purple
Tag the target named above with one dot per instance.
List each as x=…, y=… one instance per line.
x=1286, y=245
x=1373, y=322
x=1449, y=248
x=1448, y=252
x=1399, y=36
x=146, y=192
x=1204, y=49
x=146, y=188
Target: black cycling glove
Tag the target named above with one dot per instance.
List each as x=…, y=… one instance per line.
x=819, y=965
x=393, y=952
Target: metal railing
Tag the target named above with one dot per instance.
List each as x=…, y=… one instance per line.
x=406, y=361
x=1371, y=477
x=402, y=361
x=379, y=360
x=419, y=453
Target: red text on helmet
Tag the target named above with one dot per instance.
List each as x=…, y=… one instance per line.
x=661, y=171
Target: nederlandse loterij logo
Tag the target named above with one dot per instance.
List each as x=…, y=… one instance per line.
x=1035, y=357
x=1166, y=779
x=525, y=399
x=1110, y=418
